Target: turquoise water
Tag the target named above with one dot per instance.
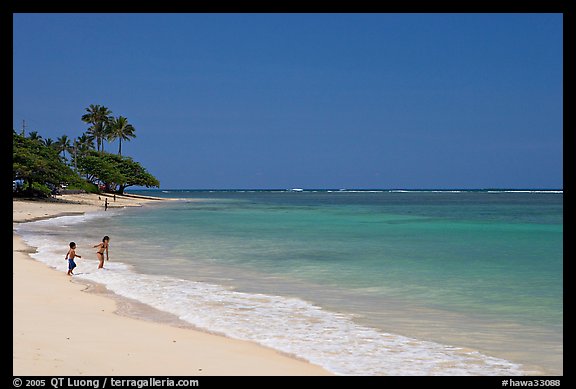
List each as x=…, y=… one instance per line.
x=360, y=282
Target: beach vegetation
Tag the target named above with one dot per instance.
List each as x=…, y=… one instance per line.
x=62, y=145
x=81, y=146
x=114, y=173
x=120, y=129
x=39, y=167
x=44, y=166
x=33, y=135
x=99, y=117
x=105, y=127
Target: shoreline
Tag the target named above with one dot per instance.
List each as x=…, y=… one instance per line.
x=59, y=330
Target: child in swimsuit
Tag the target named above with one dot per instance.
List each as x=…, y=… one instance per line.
x=102, y=246
x=70, y=255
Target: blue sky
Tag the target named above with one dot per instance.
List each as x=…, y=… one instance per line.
x=306, y=100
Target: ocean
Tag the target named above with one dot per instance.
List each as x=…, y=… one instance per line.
x=362, y=282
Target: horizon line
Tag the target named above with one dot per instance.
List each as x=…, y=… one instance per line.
x=357, y=189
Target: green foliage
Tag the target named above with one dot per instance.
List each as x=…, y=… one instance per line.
x=98, y=168
x=39, y=190
x=37, y=161
x=115, y=172
x=39, y=166
x=122, y=130
x=86, y=186
x=100, y=117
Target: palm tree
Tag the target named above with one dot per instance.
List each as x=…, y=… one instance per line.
x=122, y=130
x=33, y=135
x=84, y=143
x=98, y=116
x=63, y=145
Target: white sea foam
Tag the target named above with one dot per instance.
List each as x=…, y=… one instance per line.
x=526, y=191
x=291, y=325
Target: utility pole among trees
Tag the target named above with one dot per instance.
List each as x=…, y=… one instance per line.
x=23, y=126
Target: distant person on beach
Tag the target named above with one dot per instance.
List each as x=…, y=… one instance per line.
x=102, y=247
x=106, y=204
x=70, y=255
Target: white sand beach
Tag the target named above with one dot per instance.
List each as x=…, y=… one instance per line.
x=60, y=328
